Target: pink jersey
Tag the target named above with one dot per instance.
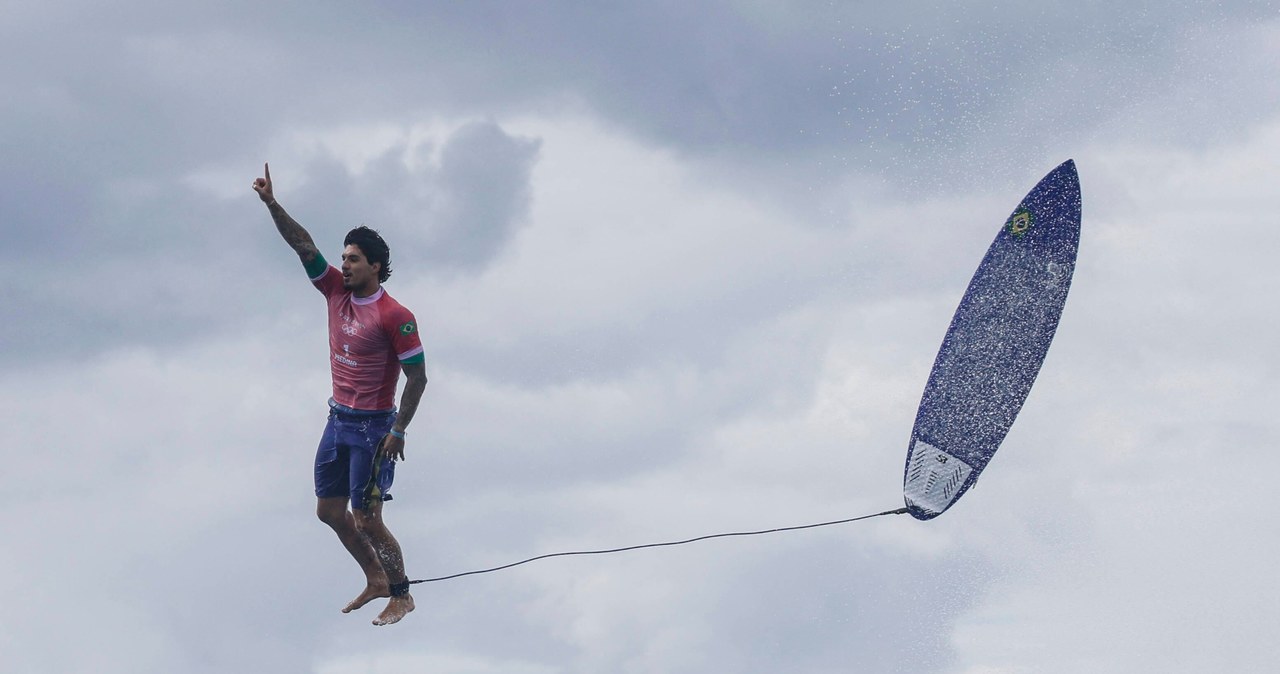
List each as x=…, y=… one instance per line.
x=369, y=337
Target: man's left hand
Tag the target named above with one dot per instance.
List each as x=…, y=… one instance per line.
x=392, y=447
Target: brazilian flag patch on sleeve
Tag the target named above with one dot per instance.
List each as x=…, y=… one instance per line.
x=408, y=328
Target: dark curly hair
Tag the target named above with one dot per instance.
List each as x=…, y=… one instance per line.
x=371, y=244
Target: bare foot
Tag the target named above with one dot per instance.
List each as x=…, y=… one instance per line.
x=371, y=592
x=396, y=609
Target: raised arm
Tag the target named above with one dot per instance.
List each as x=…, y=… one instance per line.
x=293, y=233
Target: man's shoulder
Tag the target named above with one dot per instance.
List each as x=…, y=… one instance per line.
x=391, y=305
x=397, y=320
x=329, y=282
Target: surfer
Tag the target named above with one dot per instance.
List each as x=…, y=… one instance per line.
x=372, y=338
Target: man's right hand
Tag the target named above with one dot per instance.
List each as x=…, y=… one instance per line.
x=293, y=233
x=263, y=186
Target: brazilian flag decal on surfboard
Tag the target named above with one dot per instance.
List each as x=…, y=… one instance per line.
x=1019, y=222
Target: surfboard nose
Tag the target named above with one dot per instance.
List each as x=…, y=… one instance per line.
x=1066, y=176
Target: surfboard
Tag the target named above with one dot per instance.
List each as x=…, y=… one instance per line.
x=995, y=345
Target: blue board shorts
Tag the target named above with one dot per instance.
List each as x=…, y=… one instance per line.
x=345, y=459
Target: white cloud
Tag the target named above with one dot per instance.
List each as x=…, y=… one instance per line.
x=421, y=662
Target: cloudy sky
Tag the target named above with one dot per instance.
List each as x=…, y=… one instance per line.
x=681, y=268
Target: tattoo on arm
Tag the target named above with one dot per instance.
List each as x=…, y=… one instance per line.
x=293, y=233
x=415, y=384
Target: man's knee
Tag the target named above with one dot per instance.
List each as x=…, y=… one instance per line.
x=332, y=511
x=367, y=520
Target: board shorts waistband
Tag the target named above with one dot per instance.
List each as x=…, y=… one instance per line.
x=351, y=411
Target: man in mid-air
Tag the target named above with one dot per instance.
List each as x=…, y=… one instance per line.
x=371, y=339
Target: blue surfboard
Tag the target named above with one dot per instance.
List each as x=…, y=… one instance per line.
x=994, y=348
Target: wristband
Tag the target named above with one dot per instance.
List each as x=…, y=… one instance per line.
x=394, y=433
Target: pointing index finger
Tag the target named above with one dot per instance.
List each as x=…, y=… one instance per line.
x=266, y=169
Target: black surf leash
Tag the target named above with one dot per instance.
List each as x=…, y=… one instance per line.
x=898, y=511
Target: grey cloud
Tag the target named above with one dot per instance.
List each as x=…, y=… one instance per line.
x=792, y=98
x=450, y=215
x=193, y=249
x=484, y=184
x=919, y=93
